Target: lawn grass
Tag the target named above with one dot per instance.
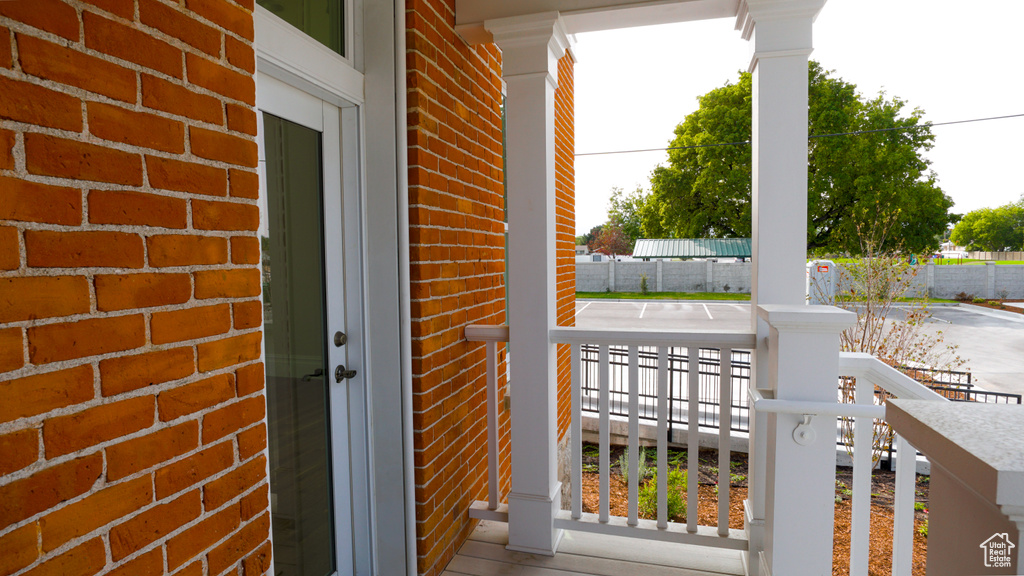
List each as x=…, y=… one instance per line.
x=968, y=261
x=661, y=296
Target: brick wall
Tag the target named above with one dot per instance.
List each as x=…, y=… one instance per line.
x=565, y=223
x=457, y=258
x=132, y=432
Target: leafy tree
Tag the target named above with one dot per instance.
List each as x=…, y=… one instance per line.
x=588, y=238
x=852, y=180
x=612, y=241
x=992, y=229
x=626, y=211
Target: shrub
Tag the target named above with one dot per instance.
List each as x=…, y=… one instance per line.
x=642, y=466
x=676, y=504
x=978, y=300
x=964, y=297
x=643, y=284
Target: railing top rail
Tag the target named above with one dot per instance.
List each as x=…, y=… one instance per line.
x=703, y=339
x=806, y=407
x=487, y=333
x=862, y=365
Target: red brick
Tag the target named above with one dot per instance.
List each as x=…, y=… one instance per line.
x=160, y=94
x=18, y=549
x=32, y=104
x=241, y=118
x=186, y=177
x=96, y=510
x=12, y=350
x=49, y=15
x=167, y=251
x=35, y=297
x=10, y=248
x=124, y=291
x=229, y=351
x=135, y=128
x=241, y=543
x=194, y=397
x=127, y=373
x=254, y=503
x=6, y=56
x=193, y=569
x=244, y=184
x=190, y=323
x=230, y=419
x=234, y=283
x=219, y=492
x=240, y=55
x=258, y=563
x=180, y=25
x=122, y=8
x=220, y=79
x=224, y=14
x=56, y=342
x=247, y=314
x=40, y=393
x=7, y=141
x=129, y=208
x=133, y=535
x=245, y=250
x=252, y=441
x=74, y=432
x=149, y=564
x=85, y=560
x=33, y=202
x=190, y=543
x=224, y=216
x=131, y=44
x=185, y=473
x=138, y=454
x=101, y=249
x=66, y=66
x=45, y=489
x=18, y=450
x=214, y=145
x=50, y=156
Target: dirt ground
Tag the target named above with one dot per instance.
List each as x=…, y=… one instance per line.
x=882, y=490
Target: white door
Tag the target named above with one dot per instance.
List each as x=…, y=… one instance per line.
x=312, y=362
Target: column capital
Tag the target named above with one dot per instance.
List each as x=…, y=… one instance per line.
x=531, y=44
x=777, y=28
x=751, y=12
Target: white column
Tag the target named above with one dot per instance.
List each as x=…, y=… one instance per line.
x=531, y=47
x=800, y=471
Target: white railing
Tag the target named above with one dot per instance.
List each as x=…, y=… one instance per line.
x=631, y=525
x=491, y=335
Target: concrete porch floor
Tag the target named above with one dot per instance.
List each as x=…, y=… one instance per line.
x=586, y=554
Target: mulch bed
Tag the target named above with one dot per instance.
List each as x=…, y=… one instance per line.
x=999, y=306
x=882, y=485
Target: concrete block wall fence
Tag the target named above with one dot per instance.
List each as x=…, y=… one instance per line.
x=132, y=413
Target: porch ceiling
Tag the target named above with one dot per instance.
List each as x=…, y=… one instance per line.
x=589, y=15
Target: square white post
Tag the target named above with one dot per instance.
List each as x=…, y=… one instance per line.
x=531, y=47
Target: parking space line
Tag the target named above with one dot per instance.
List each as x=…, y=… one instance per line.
x=584, y=308
x=642, y=310
x=708, y=312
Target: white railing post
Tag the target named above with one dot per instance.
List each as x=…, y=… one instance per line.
x=803, y=358
x=531, y=47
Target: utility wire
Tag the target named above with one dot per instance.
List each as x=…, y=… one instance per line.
x=855, y=133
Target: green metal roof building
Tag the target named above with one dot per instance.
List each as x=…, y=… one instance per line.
x=686, y=248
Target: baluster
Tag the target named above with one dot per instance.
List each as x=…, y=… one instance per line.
x=634, y=433
x=492, y=425
x=860, y=507
x=903, y=509
x=724, y=426
x=663, y=408
x=693, y=437
x=603, y=431
x=576, y=431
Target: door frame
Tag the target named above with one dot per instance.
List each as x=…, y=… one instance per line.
x=296, y=78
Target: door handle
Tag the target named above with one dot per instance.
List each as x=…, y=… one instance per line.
x=316, y=374
x=340, y=373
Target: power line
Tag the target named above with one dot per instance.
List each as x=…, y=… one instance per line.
x=855, y=133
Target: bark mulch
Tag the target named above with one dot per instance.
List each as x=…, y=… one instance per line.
x=880, y=557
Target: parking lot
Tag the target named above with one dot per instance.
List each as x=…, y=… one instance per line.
x=991, y=341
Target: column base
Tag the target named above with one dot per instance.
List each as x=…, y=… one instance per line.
x=531, y=522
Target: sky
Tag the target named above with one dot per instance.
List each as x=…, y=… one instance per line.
x=954, y=60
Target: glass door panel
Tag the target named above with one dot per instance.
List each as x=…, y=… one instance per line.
x=295, y=346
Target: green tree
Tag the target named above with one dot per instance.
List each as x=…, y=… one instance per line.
x=992, y=229
x=588, y=238
x=853, y=181
x=625, y=210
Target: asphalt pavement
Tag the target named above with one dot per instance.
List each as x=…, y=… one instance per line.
x=992, y=341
